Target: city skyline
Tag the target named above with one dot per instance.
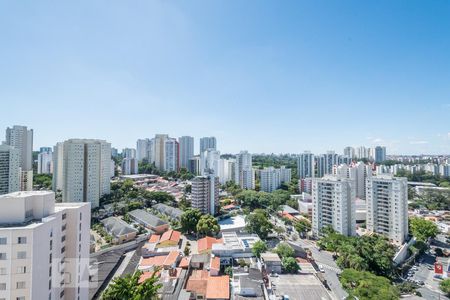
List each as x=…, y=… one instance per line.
x=323, y=76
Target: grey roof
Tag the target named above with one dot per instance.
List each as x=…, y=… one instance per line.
x=141, y=216
x=117, y=227
x=252, y=281
x=172, y=212
x=289, y=210
x=201, y=258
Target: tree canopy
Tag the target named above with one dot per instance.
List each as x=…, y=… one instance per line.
x=258, y=222
x=289, y=265
x=366, y=253
x=258, y=248
x=367, y=286
x=128, y=287
x=284, y=250
x=189, y=220
x=444, y=285
x=423, y=229
x=208, y=225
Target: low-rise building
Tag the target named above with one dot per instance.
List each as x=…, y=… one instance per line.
x=271, y=262
x=172, y=212
x=232, y=224
x=121, y=231
x=149, y=221
x=234, y=245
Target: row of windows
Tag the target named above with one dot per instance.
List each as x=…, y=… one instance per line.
x=20, y=240
x=19, y=285
x=20, y=255
x=20, y=270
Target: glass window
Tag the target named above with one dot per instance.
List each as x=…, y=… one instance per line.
x=20, y=284
x=21, y=254
x=3, y=271
x=2, y=256
x=21, y=270
x=3, y=241
x=2, y=286
x=22, y=240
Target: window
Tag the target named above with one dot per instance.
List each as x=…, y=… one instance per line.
x=22, y=240
x=61, y=294
x=63, y=249
x=2, y=286
x=64, y=216
x=81, y=216
x=2, y=256
x=20, y=285
x=21, y=270
x=50, y=258
x=50, y=271
x=21, y=254
x=20, y=298
x=3, y=271
x=63, y=238
x=3, y=241
x=63, y=227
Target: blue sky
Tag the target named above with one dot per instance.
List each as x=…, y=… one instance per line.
x=267, y=76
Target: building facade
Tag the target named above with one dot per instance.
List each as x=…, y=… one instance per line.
x=333, y=205
x=186, y=150
x=244, y=173
x=42, y=244
x=142, y=149
x=208, y=143
x=205, y=194
x=305, y=165
x=387, y=207
x=45, y=161
x=82, y=170
x=9, y=169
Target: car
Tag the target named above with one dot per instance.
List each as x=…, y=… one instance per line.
x=321, y=269
x=420, y=282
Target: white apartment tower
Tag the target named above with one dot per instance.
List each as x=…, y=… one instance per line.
x=205, y=194
x=270, y=179
x=186, y=150
x=333, y=205
x=9, y=169
x=209, y=162
x=82, y=170
x=226, y=170
x=45, y=161
x=208, y=143
x=349, y=152
x=129, y=166
x=387, y=207
x=171, y=155
x=129, y=153
x=305, y=165
x=244, y=173
x=142, y=149
x=42, y=246
x=157, y=155
x=21, y=139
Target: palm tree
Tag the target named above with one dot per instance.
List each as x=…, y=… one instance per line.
x=128, y=287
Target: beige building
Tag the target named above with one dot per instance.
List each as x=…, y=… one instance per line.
x=44, y=247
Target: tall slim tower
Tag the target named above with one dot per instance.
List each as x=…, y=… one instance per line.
x=305, y=165
x=208, y=143
x=21, y=138
x=387, y=206
x=9, y=169
x=82, y=170
x=205, y=194
x=186, y=150
x=142, y=149
x=244, y=173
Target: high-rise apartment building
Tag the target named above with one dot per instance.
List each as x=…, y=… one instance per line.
x=305, y=165
x=82, y=169
x=157, y=155
x=9, y=169
x=142, y=149
x=333, y=205
x=271, y=178
x=387, y=207
x=129, y=166
x=45, y=161
x=226, y=170
x=208, y=143
x=194, y=165
x=186, y=150
x=21, y=138
x=379, y=154
x=44, y=247
x=209, y=162
x=129, y=153
x=349, y=152
x=358, y=172
x=326, y=162
x=244, y=173
x=205, y=194
x=171, y=155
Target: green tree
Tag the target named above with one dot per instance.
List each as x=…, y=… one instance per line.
x=302, y=226
x=189, y=220
x=289, y=265
x=367, y=286
x=208, y=225
x=258, y=248
x=128, y=287
x=285, y=250
x=423, y=229
x=258, y=222
x=43, y=181
x=445, y=286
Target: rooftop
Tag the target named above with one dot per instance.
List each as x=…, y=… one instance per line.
x=117, y=227
x=147, y=218
x=234, y=223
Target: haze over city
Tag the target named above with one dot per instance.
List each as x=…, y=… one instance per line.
x=264, y=76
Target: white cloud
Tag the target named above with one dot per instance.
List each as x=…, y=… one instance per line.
x=418, y=142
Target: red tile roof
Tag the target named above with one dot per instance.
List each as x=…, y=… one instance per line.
x=184, y=263
x=171, y=235
x=218, y=287
x=215, y=263
x=161, y=261
x=206, y=243
x=147, y=275
x=154, y=238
